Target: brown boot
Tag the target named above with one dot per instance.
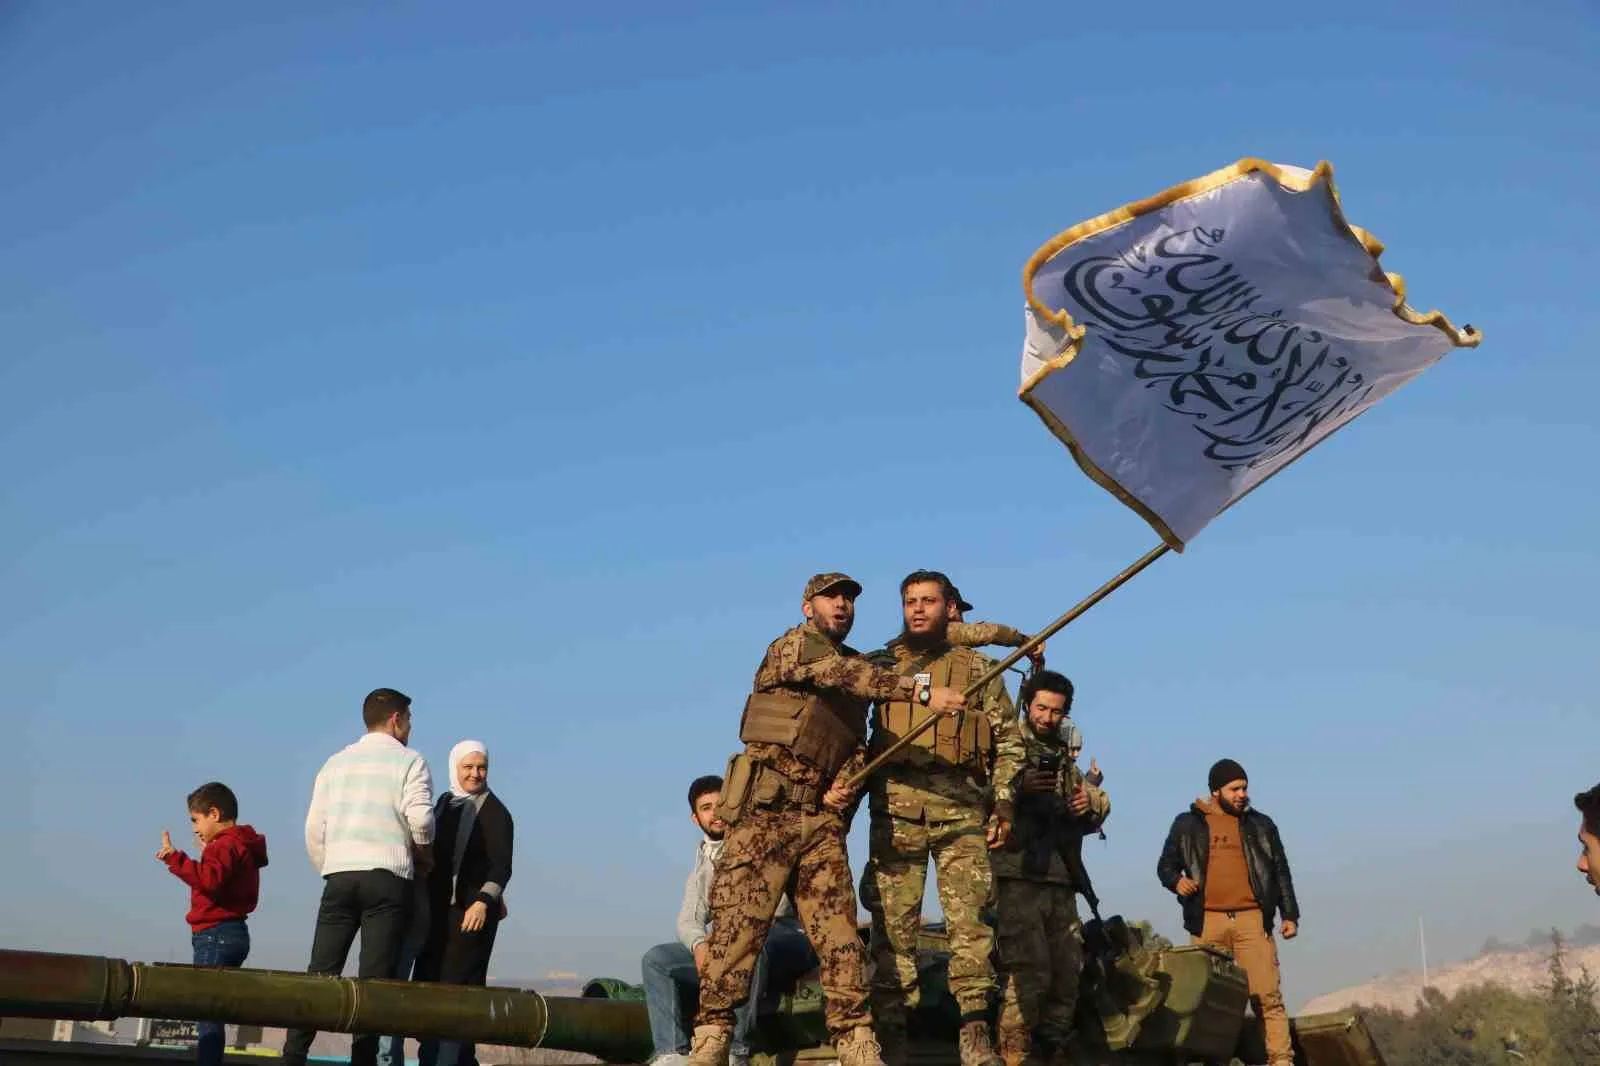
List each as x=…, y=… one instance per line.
x=710, y=1045
x=976, y=1048
x=858, y=1047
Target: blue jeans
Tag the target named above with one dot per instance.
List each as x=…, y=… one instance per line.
x=392, y=1049
x=671, y=986
x=224, y=944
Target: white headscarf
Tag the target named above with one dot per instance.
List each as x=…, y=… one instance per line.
x=469, y=804
x=457, y=753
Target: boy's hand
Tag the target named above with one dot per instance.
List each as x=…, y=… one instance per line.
x=166, y=846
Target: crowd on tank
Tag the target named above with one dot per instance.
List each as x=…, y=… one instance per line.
x=923, y=731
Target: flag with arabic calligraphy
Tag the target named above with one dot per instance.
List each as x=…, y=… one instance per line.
x=1189, y=346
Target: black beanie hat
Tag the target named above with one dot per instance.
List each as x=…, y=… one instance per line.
x=1224, y=771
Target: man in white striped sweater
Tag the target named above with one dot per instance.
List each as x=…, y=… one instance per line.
x=369, y=832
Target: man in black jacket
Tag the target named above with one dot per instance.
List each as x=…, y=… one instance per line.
x=1225, y=862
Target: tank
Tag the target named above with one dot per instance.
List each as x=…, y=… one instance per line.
x=1143, y=1002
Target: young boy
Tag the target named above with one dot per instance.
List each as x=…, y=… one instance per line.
x=223, y=886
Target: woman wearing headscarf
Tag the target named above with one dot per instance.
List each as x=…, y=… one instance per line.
x=472, y=866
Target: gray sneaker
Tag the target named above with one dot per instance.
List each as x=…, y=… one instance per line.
x=673, y=1059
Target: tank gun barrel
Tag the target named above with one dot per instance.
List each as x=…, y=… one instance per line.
x=98, y=988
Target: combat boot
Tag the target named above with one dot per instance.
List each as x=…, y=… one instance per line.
x=976, y=1048
x=893, y=1045
x=859, y=1047
x=710, y=1045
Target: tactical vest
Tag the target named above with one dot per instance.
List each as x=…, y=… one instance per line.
x=822, y=730
x=963, y=739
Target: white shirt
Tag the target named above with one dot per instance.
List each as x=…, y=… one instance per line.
x=371, y=802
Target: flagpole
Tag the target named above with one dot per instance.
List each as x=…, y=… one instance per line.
x=1000, y=667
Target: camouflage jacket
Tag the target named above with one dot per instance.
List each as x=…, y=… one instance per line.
x=1040, y=814
x=806, y=660
x=921, y=786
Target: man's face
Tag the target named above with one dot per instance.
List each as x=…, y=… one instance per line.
x=1589, y=857
x=206, y=824
x=927, y=612
x=400, y=726
x=833, y=611
x=1045, y=713
x=1234, y=797
x=705, y=815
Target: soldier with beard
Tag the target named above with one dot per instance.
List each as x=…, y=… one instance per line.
x=930, y=800
x=783, y=800
x=1038, y=874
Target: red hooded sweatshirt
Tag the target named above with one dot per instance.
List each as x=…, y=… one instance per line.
x=224, y=884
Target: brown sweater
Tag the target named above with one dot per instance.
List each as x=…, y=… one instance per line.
x=1227, y=882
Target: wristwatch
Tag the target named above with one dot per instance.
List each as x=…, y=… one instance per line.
x=924, y=694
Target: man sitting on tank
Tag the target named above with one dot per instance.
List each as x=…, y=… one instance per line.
x=672, y=971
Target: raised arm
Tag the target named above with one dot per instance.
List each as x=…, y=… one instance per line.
x=977, y=634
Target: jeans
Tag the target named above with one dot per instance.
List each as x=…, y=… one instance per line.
x=375, y=903
x=224, y=944
x=671, y=986
x=392, y=1049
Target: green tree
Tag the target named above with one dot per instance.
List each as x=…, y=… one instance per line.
x=1572, y=1020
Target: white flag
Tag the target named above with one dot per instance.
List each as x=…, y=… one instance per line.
x=1189, y=346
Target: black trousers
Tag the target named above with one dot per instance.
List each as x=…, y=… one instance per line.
x=453, y=957
x=376, y=904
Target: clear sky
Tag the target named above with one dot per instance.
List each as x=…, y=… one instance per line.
x=529, y=357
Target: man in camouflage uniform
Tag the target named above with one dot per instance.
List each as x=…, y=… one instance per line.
x=931, y=800
x=1040, y=938
x=804, y=728
x=967, y=634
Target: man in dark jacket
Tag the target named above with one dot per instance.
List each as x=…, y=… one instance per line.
x=1226, y=864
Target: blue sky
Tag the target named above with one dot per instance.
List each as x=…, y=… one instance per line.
x=528, y=358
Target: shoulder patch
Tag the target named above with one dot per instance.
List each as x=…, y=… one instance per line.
x=814, y=647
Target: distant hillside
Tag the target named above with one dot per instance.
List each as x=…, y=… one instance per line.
x=1522, y=970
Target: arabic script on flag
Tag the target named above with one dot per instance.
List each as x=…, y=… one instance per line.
x=1188, y=347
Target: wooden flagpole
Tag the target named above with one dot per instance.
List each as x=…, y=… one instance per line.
x=1000, y=667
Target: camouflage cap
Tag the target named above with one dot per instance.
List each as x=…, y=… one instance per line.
x=823, y=582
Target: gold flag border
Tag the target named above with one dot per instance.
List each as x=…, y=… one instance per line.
x=1466, y=337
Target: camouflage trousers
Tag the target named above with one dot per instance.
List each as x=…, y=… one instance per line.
x=1040, y=962
x=765, y=854
x=892, y=888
